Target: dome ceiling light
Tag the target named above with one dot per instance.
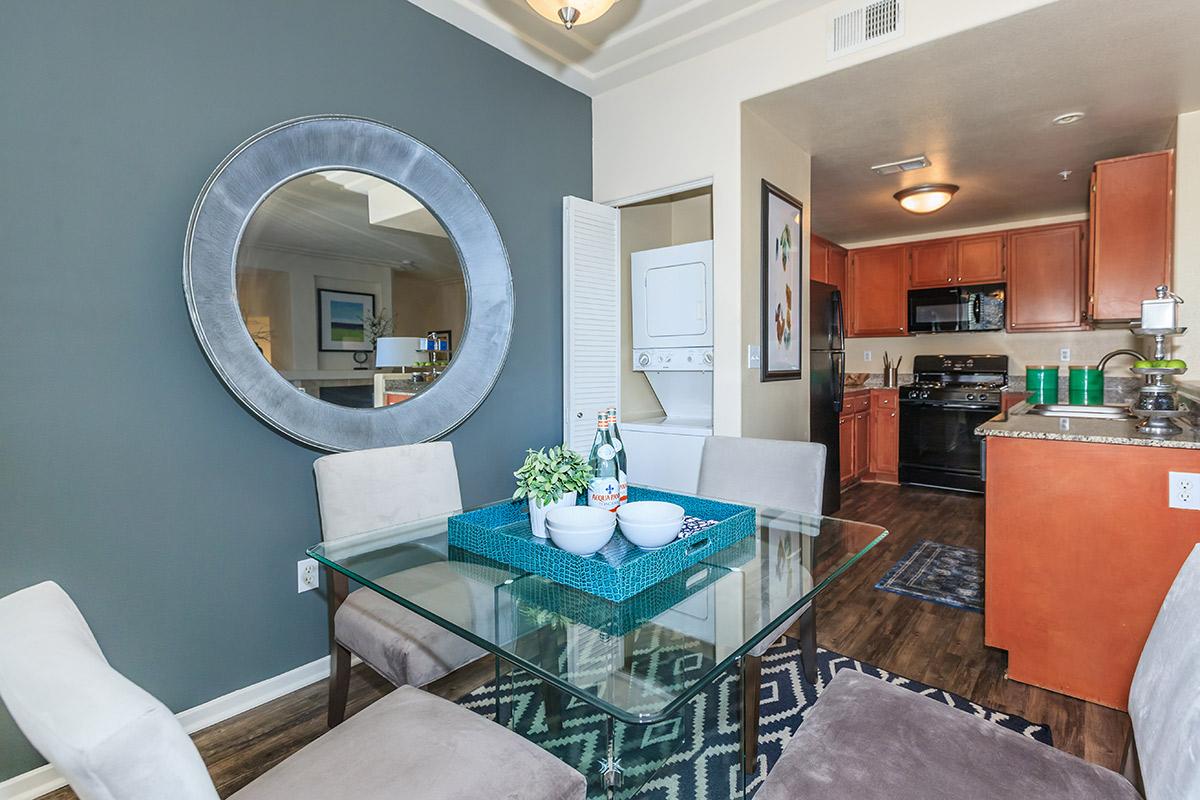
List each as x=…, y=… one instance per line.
x=925, y=198
x=571, y=12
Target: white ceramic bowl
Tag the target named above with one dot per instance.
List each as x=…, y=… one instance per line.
x=576, y=518
x=581, y=542
x=652, y=535
x=647, y=512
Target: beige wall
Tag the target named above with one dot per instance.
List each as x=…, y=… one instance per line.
x=419, y=306
x=644, y=227
x=1187, y=237
x=1022, y=349
x=265, y=298
x=778, y=409
x=683, y=123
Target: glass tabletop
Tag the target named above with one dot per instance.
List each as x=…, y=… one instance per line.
x=640, y=659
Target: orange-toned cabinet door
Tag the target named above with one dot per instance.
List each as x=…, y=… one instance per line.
x=846, y=447
x=1046, y=278
x=931, y=264
x=980, y=259
x=862, y=442
x=836, y=267
x=878, y=291
x=818, y=259
x=1133, y=232
x=885, y=440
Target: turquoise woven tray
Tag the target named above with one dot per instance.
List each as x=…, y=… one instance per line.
x=621, y=570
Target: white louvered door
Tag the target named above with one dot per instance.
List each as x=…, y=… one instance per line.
x=591, y=316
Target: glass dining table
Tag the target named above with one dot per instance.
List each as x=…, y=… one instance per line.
x=640, y=694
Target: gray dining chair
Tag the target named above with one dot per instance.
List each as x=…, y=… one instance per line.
x=777, y=474
x=868, y=739
x=368, y=490
x=113, y=741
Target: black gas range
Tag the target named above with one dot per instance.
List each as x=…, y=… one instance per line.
x=950, y=396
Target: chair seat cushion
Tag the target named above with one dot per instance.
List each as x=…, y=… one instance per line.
x=870, y=740
x=412, y=744
x=399, y=644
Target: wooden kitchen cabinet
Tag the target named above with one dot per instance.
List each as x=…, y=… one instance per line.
x=818, y=259
x=885, y=435
x=862, y=443
x=1133, y=213
x=931, y=264
x=854, y=446
x=1046, y=278
x=980, y=259
x=835, y=271
x=877, y=296
x=846, y=448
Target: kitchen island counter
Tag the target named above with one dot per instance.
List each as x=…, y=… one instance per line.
x=1018, y=423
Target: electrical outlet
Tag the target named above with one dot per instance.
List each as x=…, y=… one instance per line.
x=1064, y=354
x=1185, y=491
x=867, y=355
x=753, y=356
x=308, y=576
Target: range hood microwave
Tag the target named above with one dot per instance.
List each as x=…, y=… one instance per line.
x=956, y=309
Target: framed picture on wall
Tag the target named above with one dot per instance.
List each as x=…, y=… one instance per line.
x=782, y=338
x=342, y=321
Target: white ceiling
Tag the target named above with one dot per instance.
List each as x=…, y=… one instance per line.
x=979, y=104
x=635, y=38
x=318, y=216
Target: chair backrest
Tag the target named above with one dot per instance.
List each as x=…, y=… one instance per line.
x=766, y=472
x=366, y=490
x=107, y=737
x=1164, y=700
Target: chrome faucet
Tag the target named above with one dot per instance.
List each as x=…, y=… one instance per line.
x=1104, y=361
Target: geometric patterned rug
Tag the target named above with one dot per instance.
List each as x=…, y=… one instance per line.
x=703, y=761
x=939, y=573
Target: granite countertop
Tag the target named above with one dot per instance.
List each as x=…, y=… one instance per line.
x=1018, y=423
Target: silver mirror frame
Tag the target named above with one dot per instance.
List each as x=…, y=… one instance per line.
x=302, y=146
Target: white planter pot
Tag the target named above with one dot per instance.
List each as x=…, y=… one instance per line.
x=537, y=512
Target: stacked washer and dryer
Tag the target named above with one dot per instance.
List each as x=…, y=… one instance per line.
x=672, y=305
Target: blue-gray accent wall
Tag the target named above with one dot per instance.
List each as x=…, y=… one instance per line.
x=130, y=475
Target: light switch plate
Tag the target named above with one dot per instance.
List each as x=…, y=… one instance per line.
x=1064, y=354
x=1185, y=491
x=753, y=356
x=867, y=355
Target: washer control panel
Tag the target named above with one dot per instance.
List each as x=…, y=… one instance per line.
x=673, y=359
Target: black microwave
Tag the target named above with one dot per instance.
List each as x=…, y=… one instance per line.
x=956, y=309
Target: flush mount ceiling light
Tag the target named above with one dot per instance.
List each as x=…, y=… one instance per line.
x=571, y=12
x=925, y=198
x=1070, y=118
x=903, y=165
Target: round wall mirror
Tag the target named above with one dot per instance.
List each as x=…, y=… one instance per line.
x=348, y=285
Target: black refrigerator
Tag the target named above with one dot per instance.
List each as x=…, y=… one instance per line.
x=827, y=383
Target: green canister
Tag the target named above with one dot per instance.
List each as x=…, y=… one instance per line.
x=1042, y=384
x=1086, y=386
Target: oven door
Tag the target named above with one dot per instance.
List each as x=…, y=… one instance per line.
x=941, y=438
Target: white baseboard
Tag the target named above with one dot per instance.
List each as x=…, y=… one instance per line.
x=43, y=780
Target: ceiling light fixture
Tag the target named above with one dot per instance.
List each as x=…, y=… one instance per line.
x=571, y=12
x=903, y=165
x=925, y=198
x=1070, y=118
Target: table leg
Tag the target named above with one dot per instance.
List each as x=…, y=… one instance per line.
x=751, y=692
x=808, y=643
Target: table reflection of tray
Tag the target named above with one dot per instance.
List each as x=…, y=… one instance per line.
x=536, y=595
x=620, y=570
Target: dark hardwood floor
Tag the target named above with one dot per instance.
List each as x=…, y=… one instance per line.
x=929, y=643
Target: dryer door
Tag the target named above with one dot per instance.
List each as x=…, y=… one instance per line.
x=671, y=292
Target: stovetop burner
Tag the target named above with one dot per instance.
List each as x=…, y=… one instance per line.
x=959, y=380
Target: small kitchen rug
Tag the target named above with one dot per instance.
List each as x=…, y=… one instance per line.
x=703, y=743
x=939, y=573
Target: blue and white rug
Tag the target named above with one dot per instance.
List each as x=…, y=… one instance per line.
x=939, y=573
x=697, y=755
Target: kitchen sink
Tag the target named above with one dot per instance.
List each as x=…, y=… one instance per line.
x=1081, y=412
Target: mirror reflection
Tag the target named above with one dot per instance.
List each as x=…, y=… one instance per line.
x=351, y=289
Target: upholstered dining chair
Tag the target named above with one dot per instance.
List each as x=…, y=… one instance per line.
x=368, y=490
x=113, y=741
x=783, y=475
x=868, y=739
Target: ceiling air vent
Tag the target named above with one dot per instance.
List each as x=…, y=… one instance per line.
x=865, y=25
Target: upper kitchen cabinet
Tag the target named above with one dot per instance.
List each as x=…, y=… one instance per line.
x=931, y=264
x=878, y=291
x=818, y=259
x=1133, y=208
x=980, y=259
x=836, y=267
x=1046, y=278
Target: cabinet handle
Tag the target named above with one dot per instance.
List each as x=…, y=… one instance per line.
x=893, y=413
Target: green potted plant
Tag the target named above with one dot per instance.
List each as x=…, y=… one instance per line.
x=550, y=479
